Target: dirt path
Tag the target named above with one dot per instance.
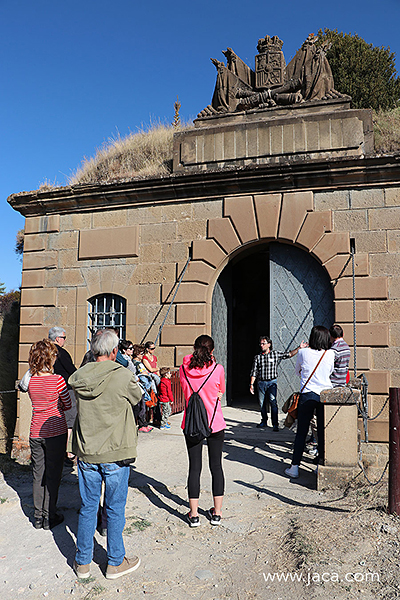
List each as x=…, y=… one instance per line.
x=325, y=545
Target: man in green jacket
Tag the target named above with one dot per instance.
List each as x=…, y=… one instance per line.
x=104, y=438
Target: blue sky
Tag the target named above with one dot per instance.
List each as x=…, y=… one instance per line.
x=76, y=73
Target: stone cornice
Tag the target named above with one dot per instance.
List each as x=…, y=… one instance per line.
x=314, y=175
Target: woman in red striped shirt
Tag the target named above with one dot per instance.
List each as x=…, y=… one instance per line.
x=48, y=433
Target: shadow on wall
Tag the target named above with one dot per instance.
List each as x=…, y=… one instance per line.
x=9, y=327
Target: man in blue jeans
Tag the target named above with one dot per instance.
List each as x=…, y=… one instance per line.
x=104, y=438
x=265, y=370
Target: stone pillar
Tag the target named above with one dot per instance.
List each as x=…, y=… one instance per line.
x=341, y=437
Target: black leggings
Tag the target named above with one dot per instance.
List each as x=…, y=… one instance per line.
x=214, y=443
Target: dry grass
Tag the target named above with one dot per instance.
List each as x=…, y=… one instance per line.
x=387, y=131
x=138, y=156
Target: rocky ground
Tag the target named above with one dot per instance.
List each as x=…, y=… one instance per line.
x=279, y=539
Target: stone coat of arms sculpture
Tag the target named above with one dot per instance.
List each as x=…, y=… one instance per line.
x=307, y=77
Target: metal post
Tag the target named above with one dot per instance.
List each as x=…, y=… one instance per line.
x=394, y=451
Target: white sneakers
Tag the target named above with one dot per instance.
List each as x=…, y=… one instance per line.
x=292, y=471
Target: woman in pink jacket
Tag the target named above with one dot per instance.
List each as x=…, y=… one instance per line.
x=196, y=368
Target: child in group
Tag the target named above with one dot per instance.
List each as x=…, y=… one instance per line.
x=165, y=396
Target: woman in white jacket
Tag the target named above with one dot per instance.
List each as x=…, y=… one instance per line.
x=314, y=365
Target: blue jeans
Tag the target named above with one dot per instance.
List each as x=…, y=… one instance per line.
x=267, y=394
x=115, y=479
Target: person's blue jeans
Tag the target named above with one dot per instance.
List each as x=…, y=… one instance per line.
x=267, y=394
x=115, y=479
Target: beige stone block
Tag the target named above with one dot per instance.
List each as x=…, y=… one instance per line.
x=23, y=355
x=68, y=258
x=264, y=139
x=175, y=252
x=340, y=424
x=39, y=260
x=394, y=288
x=219, y=146
x=241, y=142
x=166, y=356
x=223, y=233
x=384, y=218
x=241, y=211
x=106, y=243
x=229, y=145
x=35, y=242
x=28, y=334
x=110, y=219
x=336, y=200
x=31, y=315
x=364, y=359
x=394, y=333
x=378, y=382
x=181, y=352
x=66, y=296
x=188, y=292
x=211, y=209
x=191, y=230
x=23, y=367
x=368, y=334
x=387, y=311
x=158, y=231
x=268, y=207
x=288, y=138
x=75, y=221
x=351, y=220
x=336, y=265
x=199, y=271
x=45, y=223
x=54, y=315
x=367, y=198
x=344, y=311
x=150, y=252
x=325, y=134
x=385, y=264
x=32, y=279
x=392, y=196
x=353, y=134
x=144, y=214
x=176, y=212
x=63, y=241
x=38, y=297
x=181, y=334
x=331, y=244
x=276, y=139
x=395, y=379
x=294, y=209
x=209, y=251
x=393, y=241
x=299, y=132
x=150, y=293
x=312, y=135
x=191, y=314
x=371, y=241
x=386, y=359
x=64, y=277
x=154, y=273
x=366, y=287
x=314, y=227
x=209, y=155
x=376, y=404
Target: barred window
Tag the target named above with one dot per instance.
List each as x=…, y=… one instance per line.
x=107, y=310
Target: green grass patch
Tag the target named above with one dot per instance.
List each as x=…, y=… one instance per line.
x=136, y=523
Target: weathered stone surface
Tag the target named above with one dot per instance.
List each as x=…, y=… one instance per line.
x=151, y=253
x=340, y=425
x=368, y=334
x=367, y=198
x=344, y=311
x=336, y=200
x=33, y=243
x=191, y=313
x=392, y=196
x=39, y=260
x=63, y=241
x=241, y=211
x=45, y=223
x=144, y=214
x=394, y=332
x=191, y=230
x=110, y=218
x=180, y=334
x=294, y=210
x=267, y=211
x=350, y=220
x=340, y=395
x=386, y=358
x=364, y=359
x=370, y=241
x=38, y=297
x=176, y=212
x=174, y=252
x=384, y=218
x=157, y=232
x=366, y=287
x=75, y=221
x=207, y=210
x=31, y=315
x=385, y=264
x=34, y=278
x=387, y=311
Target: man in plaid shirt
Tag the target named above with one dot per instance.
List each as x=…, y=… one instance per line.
x=264, y=369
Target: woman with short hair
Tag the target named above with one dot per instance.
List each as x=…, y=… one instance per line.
x=48, y=433
x=314, y=365
x=200, y=370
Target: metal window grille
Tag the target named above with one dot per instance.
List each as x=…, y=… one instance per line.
x=106, y=310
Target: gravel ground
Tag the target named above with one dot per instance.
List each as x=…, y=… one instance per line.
x=341, y=544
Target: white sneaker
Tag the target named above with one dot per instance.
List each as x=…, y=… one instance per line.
x=292, y=472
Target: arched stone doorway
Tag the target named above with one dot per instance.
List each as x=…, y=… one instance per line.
x=274, y=289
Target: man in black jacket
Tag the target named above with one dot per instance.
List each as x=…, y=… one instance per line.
x=64, y=367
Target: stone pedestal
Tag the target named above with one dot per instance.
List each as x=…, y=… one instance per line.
x=341, y=437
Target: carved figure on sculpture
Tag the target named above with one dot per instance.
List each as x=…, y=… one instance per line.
x=307, y=77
